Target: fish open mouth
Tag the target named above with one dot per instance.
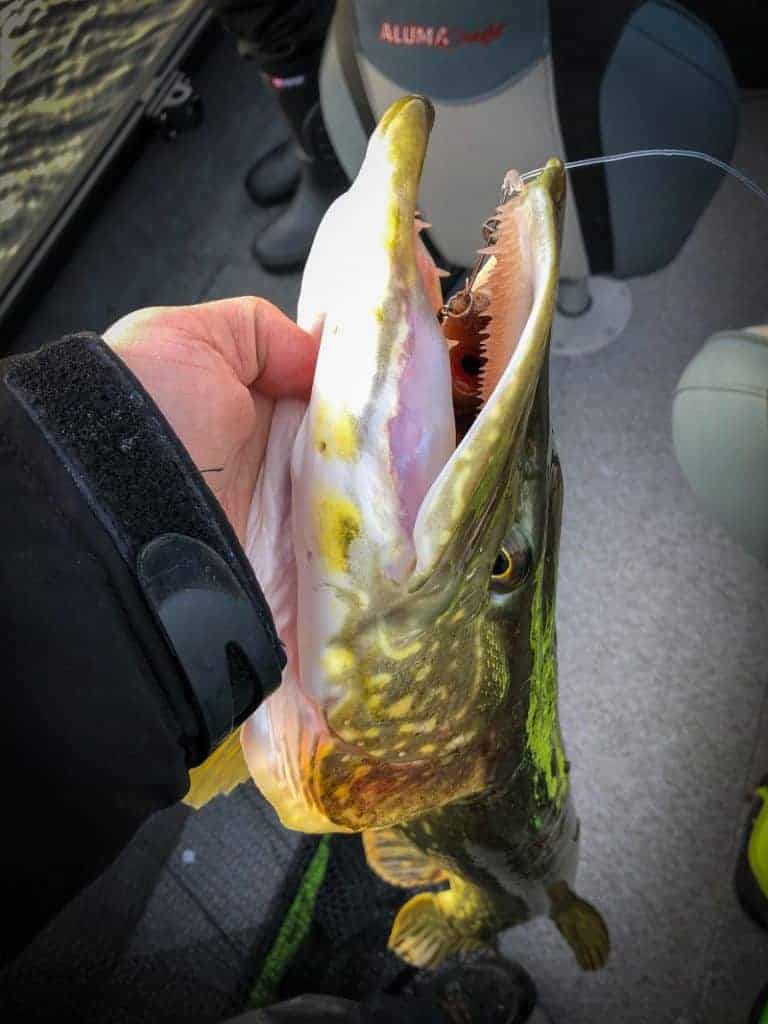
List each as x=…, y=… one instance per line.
x=405, y=473
x=496, y=328
x=483, y=320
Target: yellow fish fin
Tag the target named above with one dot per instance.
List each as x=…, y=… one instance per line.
x=219, y=773
x=435, y=925
x=423, y=935
x=398, y=861
x=581, y=925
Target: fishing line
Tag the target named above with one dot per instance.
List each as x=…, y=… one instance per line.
x=463, y=301
x=635, y=154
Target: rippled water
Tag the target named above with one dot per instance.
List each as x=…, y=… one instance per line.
x=65, y=67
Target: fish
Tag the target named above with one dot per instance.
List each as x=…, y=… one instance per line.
x=412, y=567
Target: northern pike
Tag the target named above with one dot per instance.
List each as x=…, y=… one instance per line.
x=412, y=567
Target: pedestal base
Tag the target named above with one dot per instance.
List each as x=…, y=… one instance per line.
x=600, y=324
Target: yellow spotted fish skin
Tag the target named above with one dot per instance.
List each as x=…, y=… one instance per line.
x=447, y=738
x=422, y=709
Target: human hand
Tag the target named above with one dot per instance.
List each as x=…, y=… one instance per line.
x=215, y=371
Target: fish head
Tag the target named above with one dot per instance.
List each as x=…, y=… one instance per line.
x=418, y=560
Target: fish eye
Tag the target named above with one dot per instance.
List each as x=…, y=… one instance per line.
x=502, y=565
x=512, y=564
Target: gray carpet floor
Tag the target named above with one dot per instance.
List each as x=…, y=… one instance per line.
x=663, y=650
x=662, y=628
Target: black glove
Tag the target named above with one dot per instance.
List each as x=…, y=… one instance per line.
x=134, y=633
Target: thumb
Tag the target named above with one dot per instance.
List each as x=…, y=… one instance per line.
x=271, y=354
x=263, y=347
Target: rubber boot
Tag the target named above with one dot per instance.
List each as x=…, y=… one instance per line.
x=481, y=987
x=275, y=176
x=284, y=245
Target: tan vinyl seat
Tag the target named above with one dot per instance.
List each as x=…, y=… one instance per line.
x=497, y=84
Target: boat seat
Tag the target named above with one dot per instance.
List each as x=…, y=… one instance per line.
x=720, y=432
x=516, y=83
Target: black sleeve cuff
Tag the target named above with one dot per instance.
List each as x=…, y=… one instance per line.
x=165, y=525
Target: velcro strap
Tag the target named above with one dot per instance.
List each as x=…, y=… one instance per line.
x=142, y=485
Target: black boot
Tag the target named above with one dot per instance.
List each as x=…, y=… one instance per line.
x=285, y=244
x=274, y=176
x=481, y=988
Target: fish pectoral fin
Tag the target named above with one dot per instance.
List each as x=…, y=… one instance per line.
x=219, y=773
x=436, y=925
x=581, y=925
x=423, y=936
x=398, y=861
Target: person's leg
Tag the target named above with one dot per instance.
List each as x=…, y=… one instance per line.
x=286, y=41
x=285, y=244
x=481, y=989
x=323, y=1009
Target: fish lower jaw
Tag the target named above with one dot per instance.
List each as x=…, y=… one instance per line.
x=303, y=819
x=298, y=811
x=282, y=759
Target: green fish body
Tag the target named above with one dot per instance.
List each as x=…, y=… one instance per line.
x=416, y=595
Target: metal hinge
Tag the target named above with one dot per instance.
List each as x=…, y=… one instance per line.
x=175, y=107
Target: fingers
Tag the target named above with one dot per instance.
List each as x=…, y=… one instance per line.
x=264, y=348
x=285, y=354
